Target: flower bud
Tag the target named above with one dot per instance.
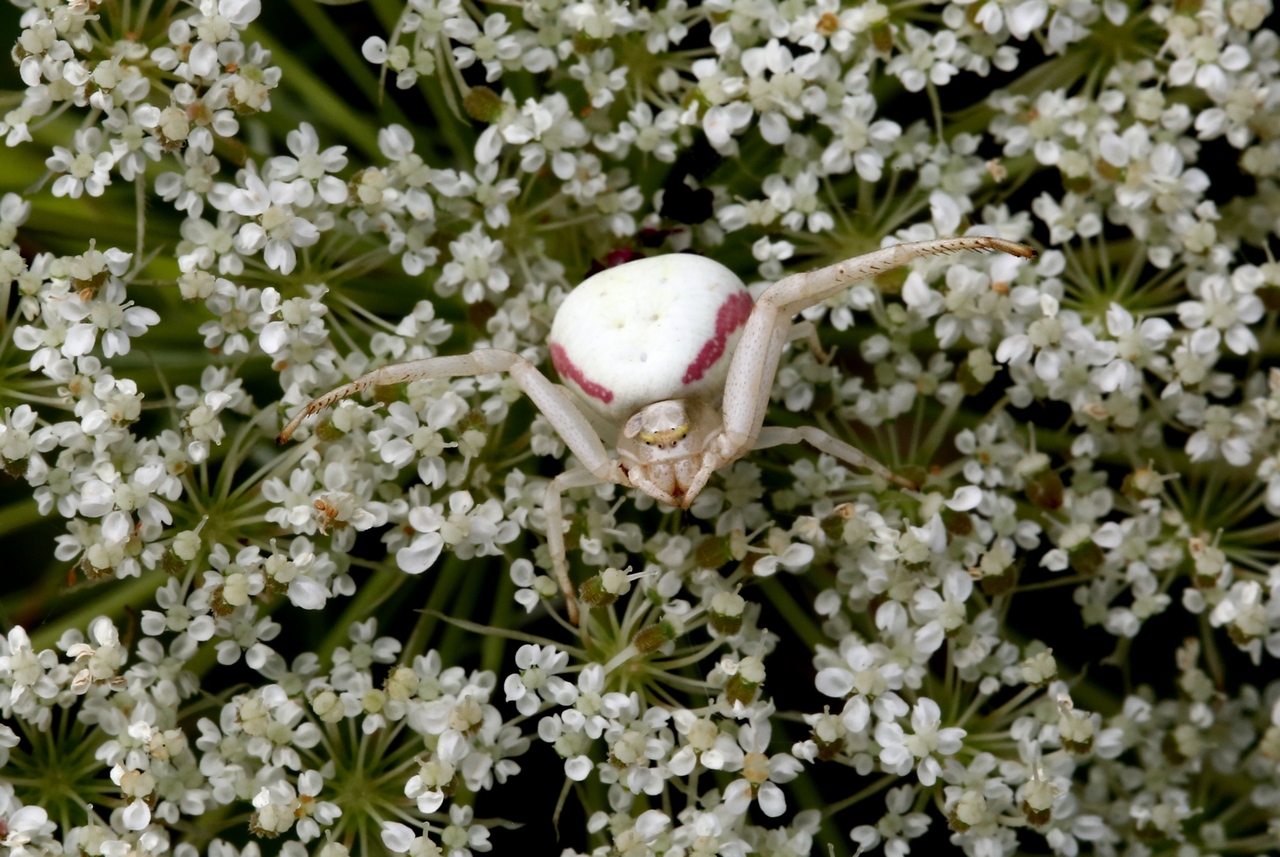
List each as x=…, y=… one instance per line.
x=1076, y=731
x=15, y=467
x=373, y=701
x=703, y=734
x=957, y=523
x=171, y=563
x=197, y=285
x=828, y=734
x=472, y=442
x=652, y=638
x=137, y=784
x=1037, y=801
x=385, y=394
x=1040, y=669
x=483, y=104
x=716, y=551
x=270, y=821
x=605, y=588
x=999, y=572
x=833, y=524
x=437, y=774
x=1045, y=490
x=99, y=556
x=401, y=683
x=1209, y=561
x=726, y=612
x=1087, y=559
x=186, y=545
x=167, y=745
x=328, y=432
x=969, y=810
x=882, y=37
x=743, y=684
x=1141, y=484
x=327, y=706
x=545, y=586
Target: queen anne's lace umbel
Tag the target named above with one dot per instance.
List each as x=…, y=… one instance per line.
x=1103, y=421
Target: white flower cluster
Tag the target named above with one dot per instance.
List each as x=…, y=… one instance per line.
x=1103, y=420
x=209, y=76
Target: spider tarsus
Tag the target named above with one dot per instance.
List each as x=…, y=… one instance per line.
x=1013, y=248
x=989, y=243
x=290, y=427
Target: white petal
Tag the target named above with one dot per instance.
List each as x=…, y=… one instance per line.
x=397, y=837
x=965, y=498
x=274, y=336
x=1026, y=17
x=578, y=768
x=1241, y=340
x=834, y=681
x=1113, y=150
x=136, y=816
x=430, y=801
x=772, y=801
x=80, y=340
x=737, y=797
x=203, y=59
x=307, y=594
x=374, y=50
x=945, y=212
x=421, y=553
x=857, y=714
x=775, y=128
x=651, y=824
x=29, y=817
x=796, y=556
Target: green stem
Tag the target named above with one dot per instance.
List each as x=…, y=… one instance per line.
x=797, y=617
x=118, y=597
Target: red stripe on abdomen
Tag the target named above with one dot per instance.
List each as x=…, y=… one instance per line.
x=567, y=369
x=733, y=313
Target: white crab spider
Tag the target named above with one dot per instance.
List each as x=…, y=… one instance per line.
x=669, y=359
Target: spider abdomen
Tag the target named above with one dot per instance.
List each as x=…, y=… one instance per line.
x=650, y=330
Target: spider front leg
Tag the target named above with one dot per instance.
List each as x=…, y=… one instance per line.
x=755, y=361
x=823, y=442
x=554, y=403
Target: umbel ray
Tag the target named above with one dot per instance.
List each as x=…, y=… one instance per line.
x=672, y=357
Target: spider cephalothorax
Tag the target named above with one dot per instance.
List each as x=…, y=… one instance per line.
x=664, y=447
x=670, y=361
